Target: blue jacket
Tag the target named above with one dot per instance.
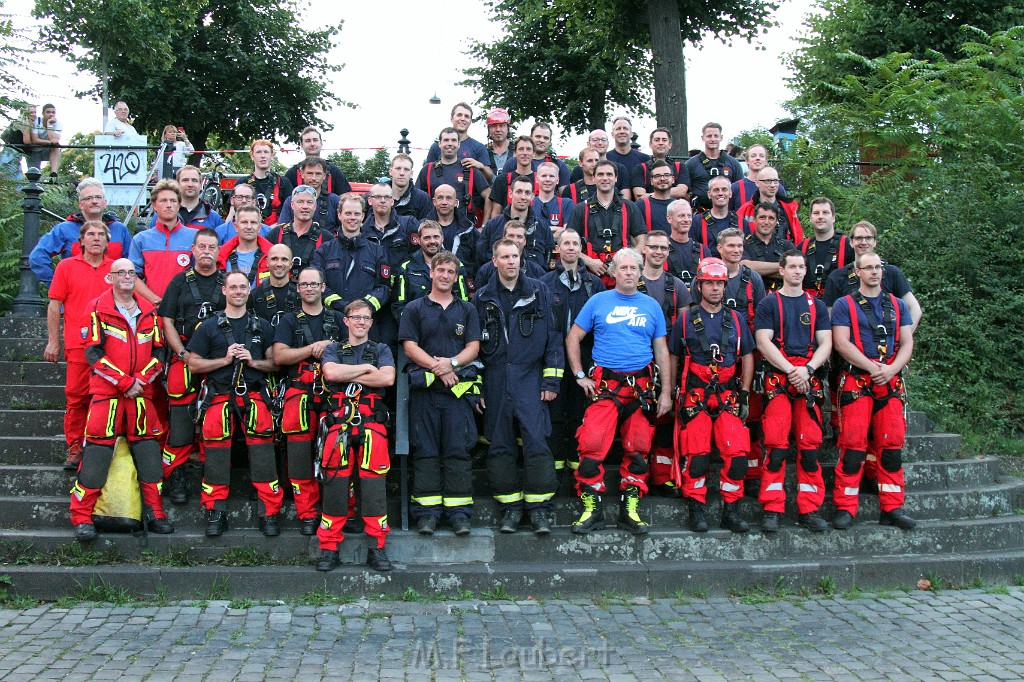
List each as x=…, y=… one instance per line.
x=398, y=240
x=540, y=242
x=523, y=353
x=62, y=240
x=459, y=237
x=326, y=213
x=353, y=268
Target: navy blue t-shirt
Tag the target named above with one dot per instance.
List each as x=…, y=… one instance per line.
x=468, y=148
x=713, y=329
x=440, y=332
x=797, y=334
x=841, y=318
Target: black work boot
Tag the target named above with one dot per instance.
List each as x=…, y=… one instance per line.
x=510, y=520
x=843, y=520
x=731, y=518
x=328, y=560
x=539, y=522
x=897, y=517
x=629, y=512
x=592, y=517
x=178, y=490
x=770, y=522
x=698, y=516
x=270, y=526
x=377, y=559
x=813, y=522
x=217, y=523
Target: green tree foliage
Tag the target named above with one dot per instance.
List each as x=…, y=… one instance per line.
x=239, y=68
x=377, y=166
x=949, y=135
x=348, y=162
x=875, y=28
x=571, y=61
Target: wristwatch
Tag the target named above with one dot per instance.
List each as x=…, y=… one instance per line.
x=454, y=361
x=181, y=354
x=581, y=374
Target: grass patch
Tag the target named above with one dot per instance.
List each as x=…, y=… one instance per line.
x=762, y=594
x=827, y=585
x=496, y=593
x=323, y=597
x=245, y=556
x=12, y=601
x=97, y=590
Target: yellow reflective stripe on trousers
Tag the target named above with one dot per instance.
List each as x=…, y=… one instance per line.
x=510, y=498
x=458, y=501
x=535, y=499
x=427, y=501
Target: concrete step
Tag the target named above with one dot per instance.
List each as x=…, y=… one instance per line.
x=32, y=450
x=28, y=327
x=51, y=479
x=37, y=373
x=31, y=397
x=18, y=349
x=678, y=579
x=35, y=423
x=21, y=511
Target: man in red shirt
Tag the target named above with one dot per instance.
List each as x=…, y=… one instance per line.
x=77, y=282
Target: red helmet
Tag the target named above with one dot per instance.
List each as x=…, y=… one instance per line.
x=497, y=117
x=712, y=270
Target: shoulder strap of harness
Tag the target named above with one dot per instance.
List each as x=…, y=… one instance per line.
x=781, y=343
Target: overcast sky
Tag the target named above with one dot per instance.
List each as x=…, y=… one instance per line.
x=400, y=41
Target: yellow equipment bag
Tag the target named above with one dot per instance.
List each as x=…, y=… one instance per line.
x=119, y=507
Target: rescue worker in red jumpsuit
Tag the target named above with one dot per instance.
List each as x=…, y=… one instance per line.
x=873, y=331
x=629, y=330
x=300, y=340
x=358, y=372
x=710, y=340
x=191, y=297
x=793, y=333
x=122, y=337
x=234, y=350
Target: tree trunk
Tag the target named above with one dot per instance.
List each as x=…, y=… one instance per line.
x=104, y=85
x=669, y=70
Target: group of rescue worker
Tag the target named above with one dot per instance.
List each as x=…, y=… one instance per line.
x=540, y=315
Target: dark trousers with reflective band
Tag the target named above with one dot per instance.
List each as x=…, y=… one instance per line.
x=299, y=422
x=251, y=414
x=872, y=422
x=566, y=413
x=442, y=431
x=361, y=451
x=597, y=432
x=108, y=418
x=786, y=416
x=714, y=420
x=182, y=387
x=535, y=489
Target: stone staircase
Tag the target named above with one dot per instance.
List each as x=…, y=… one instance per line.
x=971, y=526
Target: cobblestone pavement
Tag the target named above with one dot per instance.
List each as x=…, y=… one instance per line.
x=958, y=635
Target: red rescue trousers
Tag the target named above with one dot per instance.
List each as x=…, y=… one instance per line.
x=788, y=415
x=354, y=450
x=872, y=419
x=251, y=413
x=76, y=395
x=709, y=415
x=136, y=419
x=617, y=405
x=299, y=421
x=182, y=387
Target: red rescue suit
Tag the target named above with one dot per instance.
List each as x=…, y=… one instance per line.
x=787, y=413
x=621, y=400
x=872, y=419
x=708, y=407
x=119, y=356
x=354, y=433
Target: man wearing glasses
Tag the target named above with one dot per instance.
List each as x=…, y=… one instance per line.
x=874, y=333
x=192, y=297
x=63, y=239
x=241, y=195
x=672, y=295
x=77, y=282
x=844, y=282
x=299, y=344
x=768, y=192
x=654, y=204
x=122, y=337
x=395, y=233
